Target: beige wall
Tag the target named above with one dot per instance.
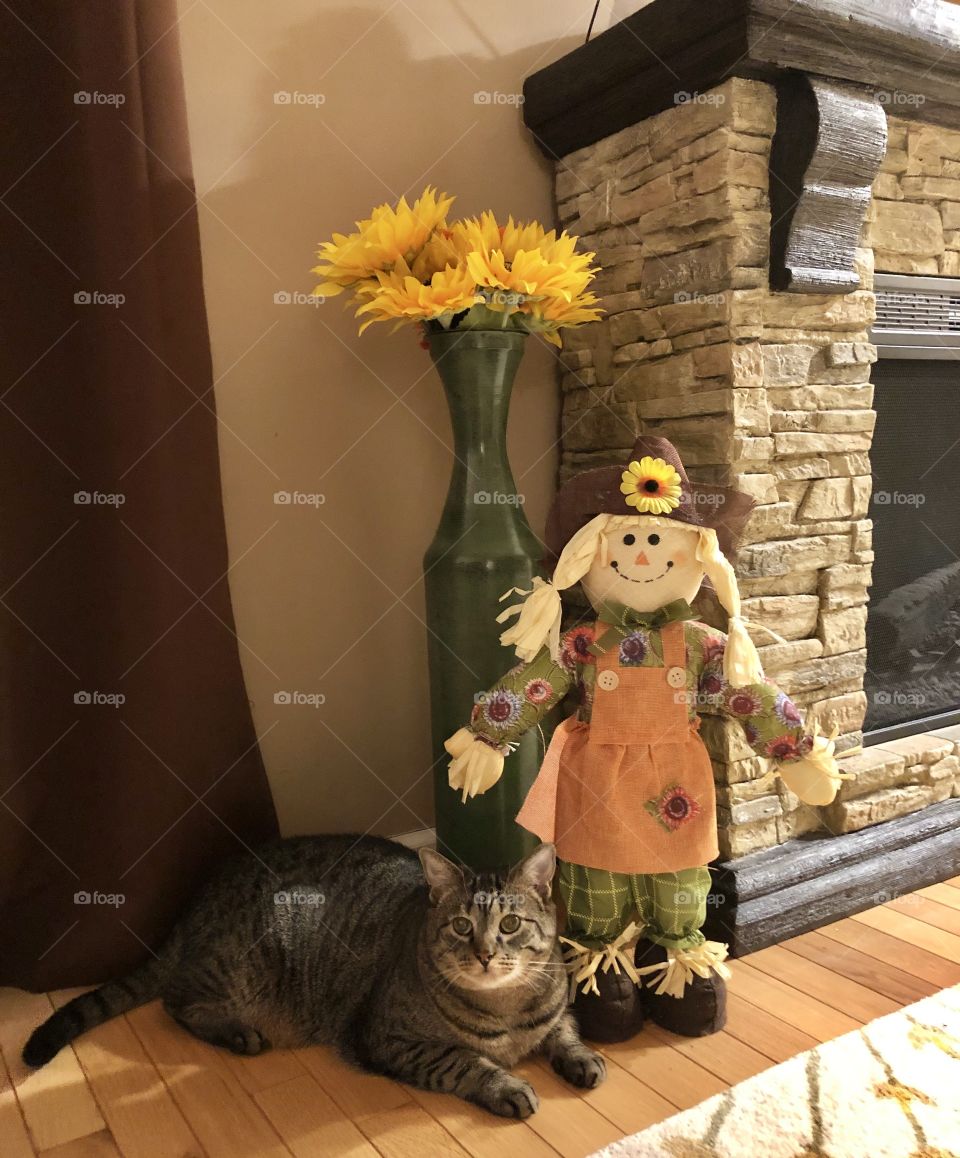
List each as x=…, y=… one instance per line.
x=328, y=599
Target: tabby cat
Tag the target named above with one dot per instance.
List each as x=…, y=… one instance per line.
x=429, y=975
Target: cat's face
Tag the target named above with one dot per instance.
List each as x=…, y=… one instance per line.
x=493, y=930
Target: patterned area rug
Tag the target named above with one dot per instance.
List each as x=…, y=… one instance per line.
x=890, y=1090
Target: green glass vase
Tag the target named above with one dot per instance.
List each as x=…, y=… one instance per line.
x=483, y=547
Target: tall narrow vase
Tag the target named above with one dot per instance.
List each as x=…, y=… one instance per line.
x=483, y=547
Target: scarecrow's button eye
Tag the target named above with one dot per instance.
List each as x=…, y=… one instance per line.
x=653, y=540
x=629, y=540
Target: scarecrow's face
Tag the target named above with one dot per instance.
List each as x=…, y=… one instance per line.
x=645, y=566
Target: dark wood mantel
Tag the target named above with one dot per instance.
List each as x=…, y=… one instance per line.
x=838, y=66
x=635, y=68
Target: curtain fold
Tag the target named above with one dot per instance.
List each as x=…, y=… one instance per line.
x=128, y=761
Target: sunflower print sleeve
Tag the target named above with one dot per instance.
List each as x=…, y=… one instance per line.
x=771, y=722
x=520, y=699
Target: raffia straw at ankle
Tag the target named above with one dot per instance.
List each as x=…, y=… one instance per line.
x=681, y=965
x=582, y=962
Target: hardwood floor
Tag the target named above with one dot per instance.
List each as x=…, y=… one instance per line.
x=141, y=1087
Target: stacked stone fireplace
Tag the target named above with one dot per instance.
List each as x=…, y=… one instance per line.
x=767, y=390
x=738, y=285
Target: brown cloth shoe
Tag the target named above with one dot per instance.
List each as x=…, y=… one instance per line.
x=616, y=1014
x=700, y=1011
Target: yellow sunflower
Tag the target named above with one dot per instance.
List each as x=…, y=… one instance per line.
x=403, y=297
x=652, y=486
x=389, y=235
x=548, y=315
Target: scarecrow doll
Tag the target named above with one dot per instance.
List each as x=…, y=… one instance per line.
x=626, y=789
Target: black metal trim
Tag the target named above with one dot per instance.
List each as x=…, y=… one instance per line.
x=911, y=728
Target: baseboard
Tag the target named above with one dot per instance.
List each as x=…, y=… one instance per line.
x=418, y=838
x=767, y=897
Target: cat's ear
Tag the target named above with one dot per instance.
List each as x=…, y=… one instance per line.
x=443, y=876
x=536, y=871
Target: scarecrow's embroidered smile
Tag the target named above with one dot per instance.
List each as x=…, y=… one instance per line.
x=616, y=568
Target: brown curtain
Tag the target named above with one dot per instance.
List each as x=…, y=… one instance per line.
x=128, y=761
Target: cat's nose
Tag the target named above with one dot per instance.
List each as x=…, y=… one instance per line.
x=483, y=957
x=641, y=560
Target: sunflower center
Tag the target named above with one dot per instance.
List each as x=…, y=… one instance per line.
x=651, y=486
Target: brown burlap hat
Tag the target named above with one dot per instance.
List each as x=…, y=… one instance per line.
x=604, y=490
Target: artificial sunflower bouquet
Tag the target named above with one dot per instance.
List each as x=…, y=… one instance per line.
x=407, y=263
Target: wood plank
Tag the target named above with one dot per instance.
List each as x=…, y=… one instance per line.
x=935, y=970
x=14, y=1139
x=945, y=893
x=56, y=1101
x=673, y=1076
x=310, y=1122
x=100, y=1145
x=564, y=1121
x=789, y=1004
x=217, y=1108
x=912, y=931
x=924, y=909
x=763, y=1031
x=270, y=1068
x=835, y=990
x=409, y=1132
x=724, y=1055
x=625, y=1100
x=480, y=1133
x=139, y=1111
x=355, y=1092
x=877, y=975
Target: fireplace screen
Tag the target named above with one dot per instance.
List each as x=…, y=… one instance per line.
x=913, y=624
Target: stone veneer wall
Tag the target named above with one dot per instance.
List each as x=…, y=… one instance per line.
x=769, y=391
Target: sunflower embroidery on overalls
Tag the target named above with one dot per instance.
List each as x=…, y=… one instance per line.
x=673, y=808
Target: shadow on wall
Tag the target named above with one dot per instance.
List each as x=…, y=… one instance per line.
x=297, y=131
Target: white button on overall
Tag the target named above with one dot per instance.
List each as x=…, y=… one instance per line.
x=608, y=680
x=677, y=677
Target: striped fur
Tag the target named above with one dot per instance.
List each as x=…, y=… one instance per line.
x=443, y=983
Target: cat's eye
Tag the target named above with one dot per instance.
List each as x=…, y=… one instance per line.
x=510, y=923
x=629, y=540
x=462, y=926
x=653, y=540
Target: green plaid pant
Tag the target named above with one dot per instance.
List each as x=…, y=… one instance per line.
x=671, y=907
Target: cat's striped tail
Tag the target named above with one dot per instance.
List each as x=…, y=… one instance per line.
x=90, y=1009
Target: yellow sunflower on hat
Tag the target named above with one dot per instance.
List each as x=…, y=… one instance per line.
x=652, y=486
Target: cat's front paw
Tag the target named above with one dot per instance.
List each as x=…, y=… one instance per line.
x=509, y=1097
x=582, y=1068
